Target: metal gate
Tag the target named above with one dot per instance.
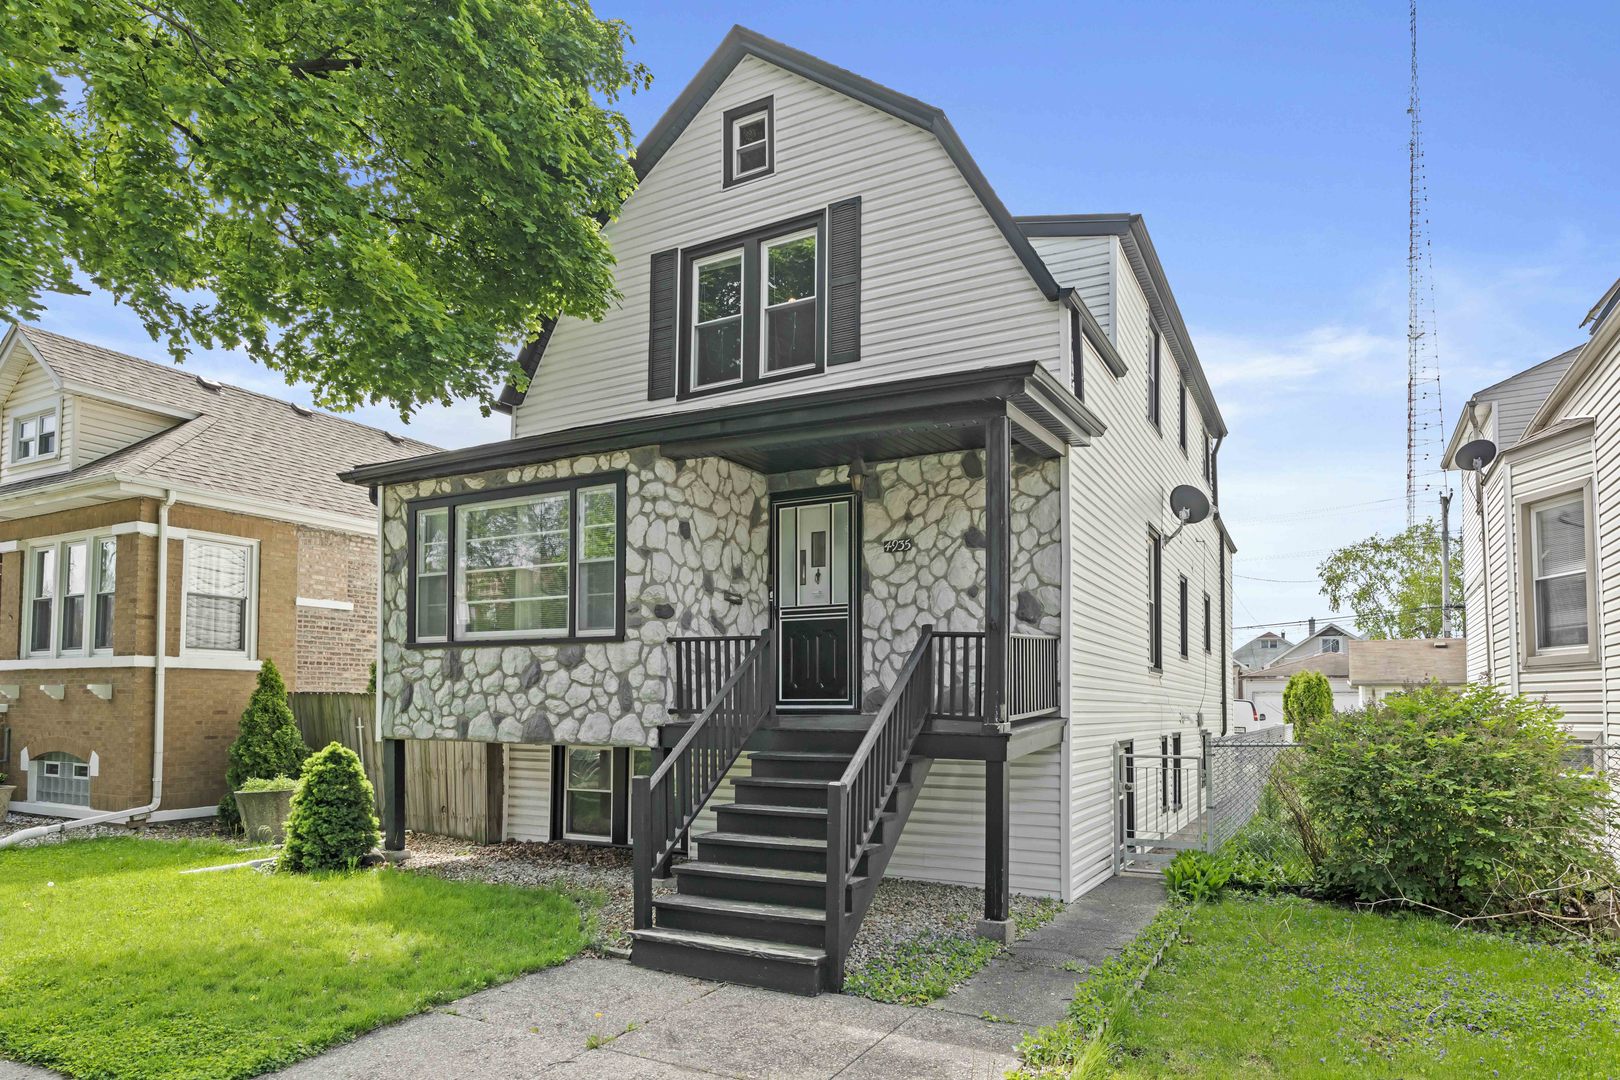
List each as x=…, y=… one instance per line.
x=1161, y=796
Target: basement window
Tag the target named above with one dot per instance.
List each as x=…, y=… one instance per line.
x=60, y=779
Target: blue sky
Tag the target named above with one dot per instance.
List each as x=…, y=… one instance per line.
x=1266, y=146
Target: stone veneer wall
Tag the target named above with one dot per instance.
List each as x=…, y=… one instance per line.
x=694, y=563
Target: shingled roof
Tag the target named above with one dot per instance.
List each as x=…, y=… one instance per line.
x=236, y=442
x=1413, y=660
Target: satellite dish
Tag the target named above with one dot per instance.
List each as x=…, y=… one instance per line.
x=1476, y=455
x=1189, y=504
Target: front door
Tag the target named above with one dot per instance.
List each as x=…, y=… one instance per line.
x=814, y=599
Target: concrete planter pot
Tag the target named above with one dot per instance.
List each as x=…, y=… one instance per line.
x=264, y=814
x=6, y=791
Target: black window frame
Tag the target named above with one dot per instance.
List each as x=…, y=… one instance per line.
x=1208, y=455
x=619, y=795
x=1155, y=376
x=753, y=308
x=1155, y=600
x=1164, y=772
x=1181, y=415
x=1184, y=602
x=766, y=105
x=1077, y=354
x=1208, y=626
x=1175, y=755
x=414, y=508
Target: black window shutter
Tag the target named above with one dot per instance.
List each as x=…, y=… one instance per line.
x=844, y=282
x=662, y=331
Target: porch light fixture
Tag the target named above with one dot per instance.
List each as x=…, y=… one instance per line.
x=1190, y=507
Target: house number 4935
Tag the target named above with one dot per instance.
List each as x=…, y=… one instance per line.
x=902, y=544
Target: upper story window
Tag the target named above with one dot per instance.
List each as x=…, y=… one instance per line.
x=750, y=141
x=1155, y=600
x=217, y=616
x=70, y=591
x=1332, y=645
x=542, y=563
x=754, y=309
x=1181, y=420
x=1558, y=550
x=34, y=436
x=1077, y=354
x=1153, y=375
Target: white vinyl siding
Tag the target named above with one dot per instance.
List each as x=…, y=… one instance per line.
x=31, y=394
x=941, y=288
x=102, y=428
x=528, y=793
x=1085, y=264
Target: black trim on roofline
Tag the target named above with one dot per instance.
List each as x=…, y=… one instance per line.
x=1094, y=333
x=741, y=42
x=1026, y=384
x=1132, y=226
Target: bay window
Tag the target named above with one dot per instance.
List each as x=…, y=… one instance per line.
x=544, y=562
x=753, y=309
x=1558, y=554
x=217, y=616
x=69, y=595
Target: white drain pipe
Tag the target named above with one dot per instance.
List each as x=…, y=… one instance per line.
x=159, y=671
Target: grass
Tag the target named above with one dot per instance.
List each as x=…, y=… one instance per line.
x=1280, y=986
x=118, y=965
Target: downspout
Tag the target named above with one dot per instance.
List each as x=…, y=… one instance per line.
x=159, y=670
x=1220, y=540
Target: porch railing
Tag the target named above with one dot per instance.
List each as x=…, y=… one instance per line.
x=856, y=801
x=664, y=804
x=1032, y=686
x=702, y=665
x=958, y=675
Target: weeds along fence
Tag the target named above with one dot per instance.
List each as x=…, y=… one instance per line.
x=451, y=788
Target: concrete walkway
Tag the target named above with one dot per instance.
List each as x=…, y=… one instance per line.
x=1032, y=983
x=605, y=1019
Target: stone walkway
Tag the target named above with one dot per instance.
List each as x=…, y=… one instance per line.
x=605, y=1019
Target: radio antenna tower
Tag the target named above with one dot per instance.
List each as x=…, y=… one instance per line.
x=1425, y=415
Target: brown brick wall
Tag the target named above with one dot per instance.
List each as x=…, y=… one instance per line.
x=336, y=648
x=119, y=731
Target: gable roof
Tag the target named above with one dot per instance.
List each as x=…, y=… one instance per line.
x=741, y=42
x=1414, y=660
x=1335, y=665
x=225, y=439
x=1133, y=236
x=1515, y=401
x=1327, y=629
x=1605, y=331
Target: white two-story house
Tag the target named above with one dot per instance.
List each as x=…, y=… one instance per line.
x=842, y=546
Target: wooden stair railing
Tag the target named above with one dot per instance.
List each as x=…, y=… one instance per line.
x=958, y=681
x=702, y=665
x=664, y=804
x=1033, y=689
x=856, y=801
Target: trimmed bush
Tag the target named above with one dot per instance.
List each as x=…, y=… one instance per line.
x=273, y=783
x=1307, y=699
x=334, y=822
x=1466, y=800
x=268, y=743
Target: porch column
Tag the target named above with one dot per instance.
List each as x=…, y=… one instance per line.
x=997, y=565
x=997, y=851
x=393, y=778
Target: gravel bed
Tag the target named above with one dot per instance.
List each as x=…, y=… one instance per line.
x=904, y=911
x=164, y=830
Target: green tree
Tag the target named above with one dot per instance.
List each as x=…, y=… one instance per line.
x=380, y=199
x=333, y=821
x=1307, y=699
x=1391, y=583
x=268, y=743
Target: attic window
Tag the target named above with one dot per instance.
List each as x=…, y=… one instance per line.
x=750, y=132
x=33, y=436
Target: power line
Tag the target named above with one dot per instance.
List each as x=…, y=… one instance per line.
x=1278, y=580
x=1320, y=511
x=1339, y=618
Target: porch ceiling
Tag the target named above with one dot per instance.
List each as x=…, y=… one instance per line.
x=871, y=422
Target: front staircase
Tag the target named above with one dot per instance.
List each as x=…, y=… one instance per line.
x=752, y=905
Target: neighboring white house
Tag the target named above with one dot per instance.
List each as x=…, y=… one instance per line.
x=1259, y=651
x=846, y=398
x=1381, y=667
x=1265, y=686
x=1329, y=638
x=1542, y=563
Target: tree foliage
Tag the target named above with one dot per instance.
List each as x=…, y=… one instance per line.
x=1307, y=699
x=1391, y=584
x=268, y=743
x=333, y=822
x=380, y=199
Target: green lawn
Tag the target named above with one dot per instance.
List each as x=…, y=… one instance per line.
x=1286, y=987
x=115, y=964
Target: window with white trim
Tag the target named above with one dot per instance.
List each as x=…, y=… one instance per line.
x=59, y=778
x=1559, y=591
x=1332, y=644
x=217, y=614
x=541, y=563
x=789, y=296
x=717, y=320
x=34, y=436
x=749, y=141
x=70, y=588
x=588, y=793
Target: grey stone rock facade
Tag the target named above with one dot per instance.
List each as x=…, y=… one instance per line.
x=697, y=534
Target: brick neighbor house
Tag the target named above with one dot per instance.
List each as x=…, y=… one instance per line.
x=121, y=481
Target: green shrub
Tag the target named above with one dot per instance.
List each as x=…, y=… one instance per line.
x=333, y=823
x=268, y=742
x=1307, y=699
x=271, y=783
x=1464, y=800
x=1197, y=875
